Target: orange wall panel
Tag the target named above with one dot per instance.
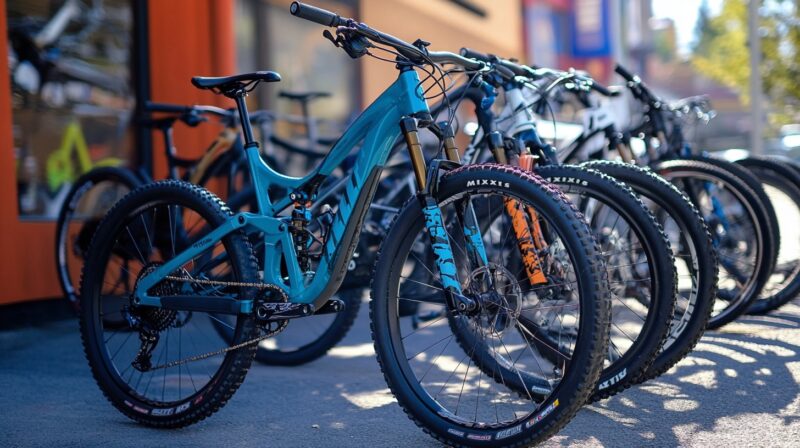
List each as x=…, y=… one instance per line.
x=187, y=37
x=27, y=267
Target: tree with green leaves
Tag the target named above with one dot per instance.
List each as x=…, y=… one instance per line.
x=721, y=52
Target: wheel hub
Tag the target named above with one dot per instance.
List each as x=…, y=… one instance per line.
x=498, y=295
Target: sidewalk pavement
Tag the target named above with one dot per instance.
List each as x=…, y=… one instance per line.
x=740, y=387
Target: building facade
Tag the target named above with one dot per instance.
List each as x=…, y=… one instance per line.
x=77, y=71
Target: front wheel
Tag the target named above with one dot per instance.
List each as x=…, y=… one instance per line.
x=782, y=186
x=433, y=378
x=694, y=254
x=739, y=228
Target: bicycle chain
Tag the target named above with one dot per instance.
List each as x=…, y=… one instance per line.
x=260, y=285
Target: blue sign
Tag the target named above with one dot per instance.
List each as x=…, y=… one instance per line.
x=590, y=26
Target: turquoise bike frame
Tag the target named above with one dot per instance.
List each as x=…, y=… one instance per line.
x=376, y=129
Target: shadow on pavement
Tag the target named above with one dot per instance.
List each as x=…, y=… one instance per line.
x=742, y=381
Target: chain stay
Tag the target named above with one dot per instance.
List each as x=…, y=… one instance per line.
x=258, y=285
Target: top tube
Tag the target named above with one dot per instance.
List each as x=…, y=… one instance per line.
x=403, y=98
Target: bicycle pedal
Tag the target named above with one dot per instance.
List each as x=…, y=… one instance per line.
x=332, y=306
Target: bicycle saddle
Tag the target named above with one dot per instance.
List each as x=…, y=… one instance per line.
x=225, y=84
x=303, y=96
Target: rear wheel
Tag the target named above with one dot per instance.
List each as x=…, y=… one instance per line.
x=432, y=376
x=165, y=368
x=89, y=199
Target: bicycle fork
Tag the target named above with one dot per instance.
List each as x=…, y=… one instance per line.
x=434, y=222
x=524, y=220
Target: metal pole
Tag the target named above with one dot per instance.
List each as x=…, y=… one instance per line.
x=756, y=97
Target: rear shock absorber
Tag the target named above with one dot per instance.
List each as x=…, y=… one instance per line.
x=298, y=227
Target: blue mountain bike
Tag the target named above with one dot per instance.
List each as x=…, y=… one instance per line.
x=189, y=261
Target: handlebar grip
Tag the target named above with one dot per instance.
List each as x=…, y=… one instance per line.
x=621, y=71
x=472, y=54
x=317, y=15
x=508, y=66
x=166, y=108
x=505, y=72
x=602, y=90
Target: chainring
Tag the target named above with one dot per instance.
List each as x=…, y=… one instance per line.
x=274, y=294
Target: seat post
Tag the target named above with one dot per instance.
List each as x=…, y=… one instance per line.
x=244, y=117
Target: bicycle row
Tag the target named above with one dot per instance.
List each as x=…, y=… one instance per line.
x=511, y=282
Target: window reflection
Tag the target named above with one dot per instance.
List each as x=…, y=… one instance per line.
x=72, y=97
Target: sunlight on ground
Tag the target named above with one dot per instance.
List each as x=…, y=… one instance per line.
x=706, y=346
x=681, y=405
x=615, y=416
x=370, y=399
x=792, y=410
x=705, y=378
x=352, y=351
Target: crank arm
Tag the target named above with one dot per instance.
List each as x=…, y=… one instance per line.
x=277, y=311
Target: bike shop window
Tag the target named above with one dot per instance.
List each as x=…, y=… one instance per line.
x=72, y=96
x=268, y=38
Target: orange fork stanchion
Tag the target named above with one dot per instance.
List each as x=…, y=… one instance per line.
x=530, y=239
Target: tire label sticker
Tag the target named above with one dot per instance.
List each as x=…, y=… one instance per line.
x=488, y=183
x=508, y=432
x=545, y=412
x=567, y=180
x=613, y=380
x=455, y=432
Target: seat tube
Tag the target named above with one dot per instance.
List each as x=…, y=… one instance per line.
x=244, y=117
x=440, y=243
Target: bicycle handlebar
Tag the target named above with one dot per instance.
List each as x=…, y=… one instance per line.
x=411, y=52
x=603, y=90
x=626, y=75
x=510, y=66
x=183, y=109
x=473, y=54
x=531, y=73
x=639, y=89
x=446, y=57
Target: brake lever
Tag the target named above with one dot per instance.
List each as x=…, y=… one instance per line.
x=348, y=39
x=327, y=35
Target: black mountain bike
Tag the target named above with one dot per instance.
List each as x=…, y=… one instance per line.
x=730, y=199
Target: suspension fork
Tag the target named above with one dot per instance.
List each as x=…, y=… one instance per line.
x=434, y=222
x=616, y=141
x=527, y=230
x=476, y=251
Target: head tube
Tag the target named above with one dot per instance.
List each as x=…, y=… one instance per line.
x=413, y=100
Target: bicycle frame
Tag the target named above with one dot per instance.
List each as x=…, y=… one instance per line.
x=377, y=129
